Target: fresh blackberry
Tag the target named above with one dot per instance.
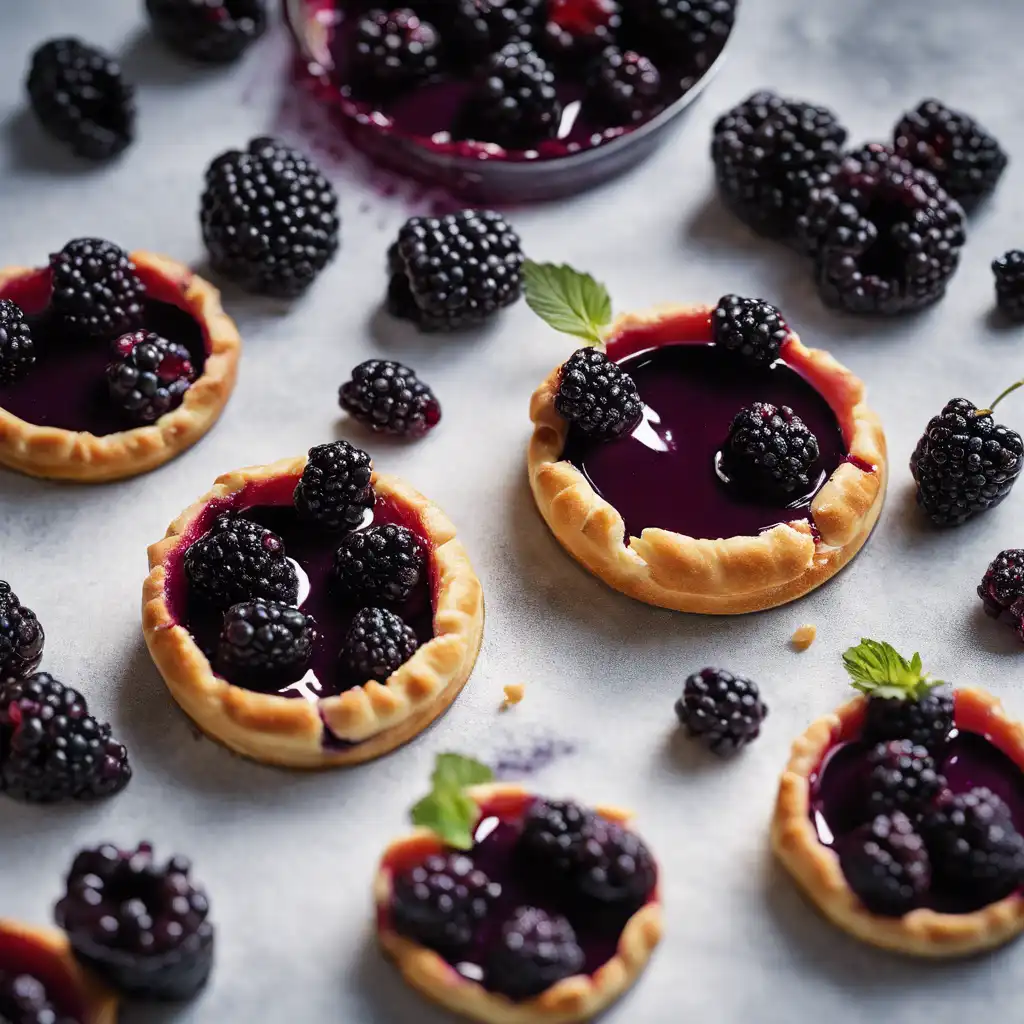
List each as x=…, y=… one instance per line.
x=597, y=396
x=885, y=236
x=52, y=749
x=80, y=97
x=1001, y=589
x=752, y=328
x=626, y=84
x=964, y=463
x=924, y=721
x=265, y=638
x=141, y=925
x=389, y=398
x=484, y=26
x=212, y=31
x=902, y=777
x=454, y=271
x=770, y=451
x=394, y=49
x=1009, y=275
x=974, y=847
x=96, y=291
x=335, y=489
x=149, y=375
x=513, y=103
x=577, y=29
x=269, y=218
x=768, y=153
x=378, y=643
x=381, y=563
x=963, y=156
x=17, y=353
x=24, y=999
x=441, y=902
x=534, y=950
x=238, y=560
x=886, y=864
x=695, y=29
x=722, y=710
x=552, y=829
x=21, y=637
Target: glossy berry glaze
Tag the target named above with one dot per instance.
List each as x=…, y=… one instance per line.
x=67, y=386
x=664, y=473
x=23, y=954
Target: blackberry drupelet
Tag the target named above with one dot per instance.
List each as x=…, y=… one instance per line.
x=534, y=951
x=96, y=291
x=21, y=637
x=389, y=398
x=483, y=26
x=1001, y=589
x=17, y=353
x=974, y=847
x=265, y=638
x=1009, y=275
x=394, y=49
x=964, y=463
x=769, y=152
x=577, y=29
x=454, y=271
x=626, y=84
x=80, y=97
x=885, y=236
x=724, y=711
x=149, y=375
x=378, y=643
x=597, y=396
x=382, y=563
x=141, y=925
x=886, y=864
x=925, y=721
x=238, y=560
x=696, y=29
x=551, y=831
x=25, y=1000
x=335, y=489
x=52, y=749
x=269, y=218
x=770, y=450
x=902, y=777
x=963, y=156
x=752, y=328
x=442, y=901
x=212, y=31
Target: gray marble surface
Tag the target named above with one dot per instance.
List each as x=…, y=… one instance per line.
x=288, y=858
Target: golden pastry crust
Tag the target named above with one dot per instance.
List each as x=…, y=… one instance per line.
x=573, y=999
x=99, y=1003
x=375, y=717
x=816, y=868
x=736, y=574
x=81, y=457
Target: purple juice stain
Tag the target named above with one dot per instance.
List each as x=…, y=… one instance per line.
x=516, y=762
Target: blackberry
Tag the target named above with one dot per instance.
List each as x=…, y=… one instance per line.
x=1009, y=275
x=722, y=710
x=1001, y=589
x=597, y=396
x=52, y=749
x=378, y=643
x=964, y=463
x=902, y=777
x=925, y=721
x=141, y=925
x=974, y=847
x=265, y=638
x=382, y=563
x=484, y=26
x=24, y=999
x=149, y=376
x=886, y=864
x=963, y=156
x=211, y=31
x=696, y=29
x=752, y=328
x=21, y=637
x=79, y=95
x=577, y=29
x=96, y=291
x=17, y=353
x=441, y=902
x=238, y=560
x=389, y=398
x=769, y=153
x=335, y=489
x=269, y=218
x=552, y=829
x=534, y=951
x=394, y=49
x=513, y=103
x=885, y=236
x=627, y=85
x=770, y=451
x=454, y=271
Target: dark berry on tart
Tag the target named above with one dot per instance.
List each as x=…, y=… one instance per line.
x=535, y=950
x=576, y=29
x=1008, y=270
x=482, y=27
x=265, y=639
x=149, y=375
x=377, y=643
x=901, y=777
x=697, y=27
x=627, y=84
x=211, y=31
x=389, y=398
x=722, y=710
x=597, y=396
x=335, y=489
x=17, y=355
x=770, y=450
x=381, y=563
x=1002, y=588
x=394, y=49
x=21, y=637
x=752, y=328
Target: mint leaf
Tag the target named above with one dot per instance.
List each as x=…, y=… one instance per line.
x=454, y=770
x=878, y=669
x=567, y=300
x=450, y=814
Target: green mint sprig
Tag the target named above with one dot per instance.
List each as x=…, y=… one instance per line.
x=879, y=670
x=567, y=300
x=447, y=809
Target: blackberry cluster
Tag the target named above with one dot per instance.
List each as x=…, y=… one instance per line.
x=389, y=398
x=21, y=637
x=393, y=49
x=381, y=563
x=80, y=97
x=577, y=29
x=1009, y=274
x=378, y=643
x=964, y=463
x=149, y=376
x=752, y=328
x=626, y=84
x=52, y=749
x=17, y=354
x=335, y=489
x=265, y=638
x=769, y=153
x=454, y=271
x=212, y=31
x=770, y=450
x=141, y=925
x=269, y=218
x=696, y=28
x=902, y=777
x=597, y=396
x=534, y=951
x=924, y=722
x=886, y=864
x=724, y=711
x=1001, y=589
x=24, y=999
x=484, y=26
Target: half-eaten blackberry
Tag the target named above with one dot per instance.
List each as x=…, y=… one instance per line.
x=1009, y=274
x=534, y=950
x=902, y=777
x=770, y=450
x=335, y=489
x=1001, y=589
x=724, y=711
x=212, y=31
x=389, y=398
x=886, y=864
x=265, y=639
x=394, y=49
x=17, y=353
x=752, y=328
x=378, y=643
x=626, y=84
x=381, y=563
x=597, y=396
x=21, y=637
x=149, y=375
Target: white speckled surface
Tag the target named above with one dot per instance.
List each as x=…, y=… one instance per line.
x=288, y=858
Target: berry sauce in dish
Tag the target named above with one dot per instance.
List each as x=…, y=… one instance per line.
x=22, y=954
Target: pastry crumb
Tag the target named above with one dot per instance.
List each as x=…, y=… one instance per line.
x=804, y=637
x=514, y=693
